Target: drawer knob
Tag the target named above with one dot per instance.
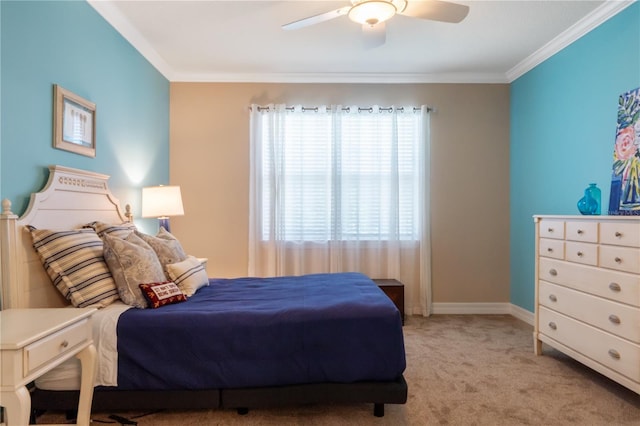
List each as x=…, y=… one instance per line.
x=553, y=326
x=614, y=354
x=618, y=234
x=549, y=229
x=614, y=287
x=614, y=319
x=580, y=232
x=550, y=250
x=553, y=272
x=64, y=344
x=553, y=298
x=618, y=260
x=580, y=254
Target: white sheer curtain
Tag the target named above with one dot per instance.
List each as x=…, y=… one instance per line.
x=339, y=189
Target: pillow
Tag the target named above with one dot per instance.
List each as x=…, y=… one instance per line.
x=189, y=275
x=167, y=247
x=160, y=294
x=102, y=229
x=132, y=262
x=75, y=263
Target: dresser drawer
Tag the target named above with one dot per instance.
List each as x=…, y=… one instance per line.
x=620, y=258
x=621, y=320
x=582, y=231
x=55, y=345
x=551, y=248
x=581, y=253
x=620, y=234
x=552, y=229
x=611, y=351
x=619, y=286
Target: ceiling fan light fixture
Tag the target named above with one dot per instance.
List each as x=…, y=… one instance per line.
x=372, y=12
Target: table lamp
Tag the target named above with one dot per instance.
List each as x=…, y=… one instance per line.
x=162, y=202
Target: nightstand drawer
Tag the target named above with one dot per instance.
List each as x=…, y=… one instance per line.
x=55, y=345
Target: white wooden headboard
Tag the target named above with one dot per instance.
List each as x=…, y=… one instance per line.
x=71, y=198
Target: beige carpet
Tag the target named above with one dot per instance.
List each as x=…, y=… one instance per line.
x=461, y=370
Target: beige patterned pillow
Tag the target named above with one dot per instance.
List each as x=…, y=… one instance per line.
x=166, y=246
x=74, y=262
x=132, y=262
x=189, y=275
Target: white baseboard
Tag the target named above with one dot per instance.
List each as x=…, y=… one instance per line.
x=484, y=308
x=522, y=314
x=471, y=308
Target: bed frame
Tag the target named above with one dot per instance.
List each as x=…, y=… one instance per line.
x=72, y=198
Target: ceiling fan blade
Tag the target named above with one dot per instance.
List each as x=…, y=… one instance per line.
x=316, y=19
x=374, y=35
x=436, y=10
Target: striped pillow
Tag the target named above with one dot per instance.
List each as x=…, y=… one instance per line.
x=189, y=275
x=121, y=231
x=75, y=263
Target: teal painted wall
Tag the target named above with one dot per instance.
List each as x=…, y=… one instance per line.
x=563, y=120
x=68, y=43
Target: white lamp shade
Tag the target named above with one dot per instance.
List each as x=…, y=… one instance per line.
x=162, y=201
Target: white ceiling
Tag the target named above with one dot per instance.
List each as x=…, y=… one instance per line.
x=242, y=41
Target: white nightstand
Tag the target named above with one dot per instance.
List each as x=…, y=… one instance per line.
x=32, y=342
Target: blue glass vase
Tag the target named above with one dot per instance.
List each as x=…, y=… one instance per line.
x=590, y=203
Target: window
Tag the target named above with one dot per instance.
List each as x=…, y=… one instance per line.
x=339, y=174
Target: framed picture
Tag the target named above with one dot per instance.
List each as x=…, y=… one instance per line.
x=625, y=180
x=74, y=123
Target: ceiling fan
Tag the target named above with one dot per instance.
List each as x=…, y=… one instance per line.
x=372, y=14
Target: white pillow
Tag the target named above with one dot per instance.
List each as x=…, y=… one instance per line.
x=189, y=275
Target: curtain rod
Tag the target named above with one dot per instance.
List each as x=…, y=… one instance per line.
x=347, y=109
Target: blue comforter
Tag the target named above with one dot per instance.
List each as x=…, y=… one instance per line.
x=253, y=332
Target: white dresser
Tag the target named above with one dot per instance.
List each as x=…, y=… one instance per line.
x=588, y=292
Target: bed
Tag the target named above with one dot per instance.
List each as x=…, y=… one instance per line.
x=259, y=342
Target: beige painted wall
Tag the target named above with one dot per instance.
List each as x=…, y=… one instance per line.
x=209, y=158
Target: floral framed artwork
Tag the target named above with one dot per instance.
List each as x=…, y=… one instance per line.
x=625, y=180
x=74, y=123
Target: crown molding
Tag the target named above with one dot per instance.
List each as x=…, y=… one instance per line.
x=121, y=24
x=594, y=19
x=364, y=78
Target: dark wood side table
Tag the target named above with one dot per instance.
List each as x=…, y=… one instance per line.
x=394, y=289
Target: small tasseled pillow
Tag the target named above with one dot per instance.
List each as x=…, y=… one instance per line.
x=189, y=275
x=161, y=294
x=74, y=261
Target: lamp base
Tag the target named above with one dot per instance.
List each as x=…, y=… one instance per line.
x=164, y=223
